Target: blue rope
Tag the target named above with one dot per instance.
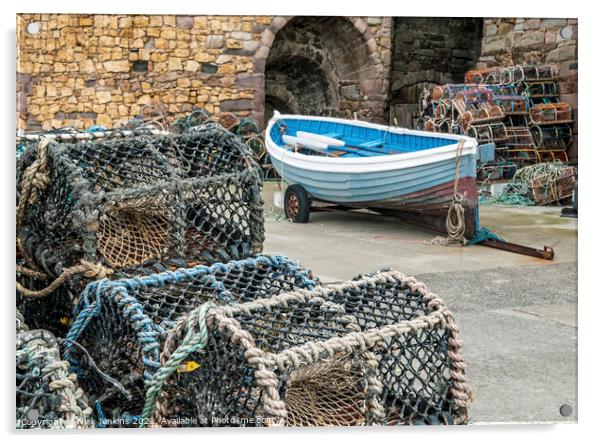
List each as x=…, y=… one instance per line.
x=149, y=334
x=102, y=419
x=96, y=128
x=481, y=234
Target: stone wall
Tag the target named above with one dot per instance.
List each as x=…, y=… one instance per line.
x=508, y=41
x=80, y=70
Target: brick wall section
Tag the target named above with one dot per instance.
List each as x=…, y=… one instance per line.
x=509, y=41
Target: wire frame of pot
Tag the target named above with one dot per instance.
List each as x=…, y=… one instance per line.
x=472, y=99
x=484, y=114
x=378, y=350
x=447, y=91
x=488, y=132
x=530, y=73
x=442, y=109
x=552, y=137
x=512, y=104
x=123, y=323
x=539, y=89
x=522, y=157
x=555, y=188
x=551, y=113
x=442, y=126
x=509, y=89
x=494, y=76
x=519, y=137
x=551, y=155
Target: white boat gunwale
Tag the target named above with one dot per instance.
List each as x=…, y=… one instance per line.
x=383, y=162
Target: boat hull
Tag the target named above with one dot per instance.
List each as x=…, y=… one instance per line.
x=419, y=184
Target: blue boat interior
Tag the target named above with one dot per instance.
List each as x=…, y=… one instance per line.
x=359, y=141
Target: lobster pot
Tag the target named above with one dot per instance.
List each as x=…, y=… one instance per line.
x=120, y=202
x=25, y=140
x=535, y=73
x=551, y=113
x=519, y=138
x=123, y=323
x=47, y=395
x=539, y=90
x=555, y=187
x=380, y=350
x=488, y=132
x=484, y=114
x=472, y=99
x=449, y=91
x=509, y=89
x=552, y=137
x=512, y=104
x=493, y=76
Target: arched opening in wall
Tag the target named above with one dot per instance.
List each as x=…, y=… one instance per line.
x=317, y=66
x=429, y=51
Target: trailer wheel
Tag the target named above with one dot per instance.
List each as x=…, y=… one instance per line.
x=297, y=204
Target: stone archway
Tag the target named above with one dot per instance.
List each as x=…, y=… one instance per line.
x=318, y=66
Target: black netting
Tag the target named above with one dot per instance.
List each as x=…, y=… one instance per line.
x=402, y=368
x=47, y=395
x=120, y=202
x=123, y=323
x=52, y=312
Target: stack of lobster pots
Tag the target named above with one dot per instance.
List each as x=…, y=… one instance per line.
x=516, y=107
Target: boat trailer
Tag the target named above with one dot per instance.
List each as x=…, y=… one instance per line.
x=547, y=253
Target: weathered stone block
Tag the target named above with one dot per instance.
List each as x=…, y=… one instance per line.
x=493, y=46
x=531, y=38
x=215, y=41
x=117, y=66
x=350, y=92
x=564, y=53
x=191, y=66
x=553, y=23
x=239, y=35
x=249, y=81
x=236, y=105
x=490, y=29
x=103, y=96
x=184, y=22
x=532, y=23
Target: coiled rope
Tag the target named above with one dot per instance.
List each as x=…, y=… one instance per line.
x=454, y=222
x=455, y=215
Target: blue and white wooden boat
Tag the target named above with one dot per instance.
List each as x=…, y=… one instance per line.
x=358, y=164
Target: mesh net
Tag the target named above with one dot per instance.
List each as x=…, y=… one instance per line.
x=123, y=323
x=378, y=350
x=47, y=395
x=120, y=202
x=52, y=312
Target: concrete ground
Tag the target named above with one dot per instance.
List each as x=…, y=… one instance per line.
x=517, y=314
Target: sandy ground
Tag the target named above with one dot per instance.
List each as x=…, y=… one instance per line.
x=517, y=314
